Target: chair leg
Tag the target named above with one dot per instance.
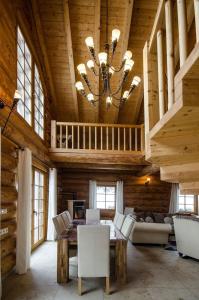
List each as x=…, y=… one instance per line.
x=107, y=285
x=79, y=286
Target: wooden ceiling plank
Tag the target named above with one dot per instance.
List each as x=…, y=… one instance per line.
x=127, y=28
x=70, y=55
x=97, y=47
x=39, y=30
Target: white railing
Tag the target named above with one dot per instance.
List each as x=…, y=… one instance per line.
x=166, y=53
x=96, y=137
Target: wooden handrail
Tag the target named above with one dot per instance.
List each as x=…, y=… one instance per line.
x=69, y=136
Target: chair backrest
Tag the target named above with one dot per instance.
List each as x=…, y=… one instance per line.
x=93, y=250
x=65, y=219
x=127, y=226
x=59, y=224
x=92, y=215
x=120, y=221
x=128, y=211
x=115, y=218
x=69, y=216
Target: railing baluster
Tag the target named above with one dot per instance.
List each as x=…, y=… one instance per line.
x=83, y=137
x=124, y=132
x=53, y=134
x=66, y=136
x=170, y=51
x=78, y=137
x=89, y=137
x=182, y=29
x=196, y=10
x=142, y=138
x=106, y=138
x=113, y=139
x=101, y=138
x=72, y=137
x=95, y=138
x=60, y=136
x=118, y=136
x=130, y=139
x=161, y=85
x=136, y=140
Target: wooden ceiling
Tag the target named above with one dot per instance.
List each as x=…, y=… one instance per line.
x=62, y=27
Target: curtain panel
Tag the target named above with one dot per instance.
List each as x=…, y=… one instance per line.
x=24, y=211
x=92, y=194
x=173, y=207
x=119, y=197
x=52, y=204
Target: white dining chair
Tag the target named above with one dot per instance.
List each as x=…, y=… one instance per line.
x=59, y=224
x=93, y=253
x=92, y=216
x=127, y=226
x=115, y=218
x=128, y=210
x=120, y=221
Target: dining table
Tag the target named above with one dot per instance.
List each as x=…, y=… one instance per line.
x=69, y=239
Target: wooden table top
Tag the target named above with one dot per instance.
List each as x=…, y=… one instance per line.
x=71, y=234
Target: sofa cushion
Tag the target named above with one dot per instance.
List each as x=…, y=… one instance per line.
x=149, y=219
x=159, y=217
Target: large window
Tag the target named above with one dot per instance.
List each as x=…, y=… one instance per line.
x=31, y=107
x=106, y=197
x=39, y=105
x=186, y=203
x=38, y=205
x=24, y=81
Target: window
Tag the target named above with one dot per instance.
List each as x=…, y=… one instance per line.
x=39, y=105
x=106, y=197
x=186, y=203
x=38, y=205
x=24, y=72
x=31, y=107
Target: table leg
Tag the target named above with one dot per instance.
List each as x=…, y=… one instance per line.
x=62, y=261
x=121, y=261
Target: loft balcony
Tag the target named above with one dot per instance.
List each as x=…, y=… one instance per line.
x=171, y=90
x=97, y=143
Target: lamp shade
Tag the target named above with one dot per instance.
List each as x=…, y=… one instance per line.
x=89, y=42
x=115, y=35
x=128, y=65
x=125, y=95
x=79, y=86
x=90, y=64
x=81, y=69
x=102, y=58
x=127, y=55
x=90, y=97
x=108, y=100
x=136, y=80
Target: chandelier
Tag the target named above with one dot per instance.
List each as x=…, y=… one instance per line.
x=101, y=66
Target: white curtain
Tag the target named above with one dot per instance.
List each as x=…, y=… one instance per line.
x=24, y=211
x=119, y=197
x=92, y=194
x=174, y=198
x=52, y=204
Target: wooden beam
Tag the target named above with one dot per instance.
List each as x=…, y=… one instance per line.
x=180, y=173
x=148, y=170
x=70, y=55
x=39, y=31
x=126, y=30
x=189, y=188
x=97, y=48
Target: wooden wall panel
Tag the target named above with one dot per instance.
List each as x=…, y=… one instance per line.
x=8, y=206
x=153, y=197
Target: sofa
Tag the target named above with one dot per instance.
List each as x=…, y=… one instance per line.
x=150, y=233
x=150, y=228
x=187, y=235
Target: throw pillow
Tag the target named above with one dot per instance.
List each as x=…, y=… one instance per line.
x=149, y=219
x=168, y=220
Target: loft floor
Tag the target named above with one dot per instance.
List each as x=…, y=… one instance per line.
x=153, y=273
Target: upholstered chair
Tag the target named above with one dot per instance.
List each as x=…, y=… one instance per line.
x=59, y=224
x=115, y=218
x=92, y=216
x=127, y=226
x=67, y=219
x=128, y=210
x=120, y=221
x=93, y=253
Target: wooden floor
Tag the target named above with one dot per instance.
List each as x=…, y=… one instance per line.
x=153, y=274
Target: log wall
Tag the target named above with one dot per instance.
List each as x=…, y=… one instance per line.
x=154, y=197
x=8, y=206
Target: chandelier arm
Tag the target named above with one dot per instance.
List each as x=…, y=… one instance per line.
x=119, y=69
x=89, y=86
x=121, y=84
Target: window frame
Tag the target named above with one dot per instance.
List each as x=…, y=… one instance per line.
x=34, y=64
x=195, y=203
x=105, y=201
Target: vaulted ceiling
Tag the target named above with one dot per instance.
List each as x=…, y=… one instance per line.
x=62, y=27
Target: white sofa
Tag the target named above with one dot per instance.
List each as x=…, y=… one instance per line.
x=150, y=233
x=187, y=236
